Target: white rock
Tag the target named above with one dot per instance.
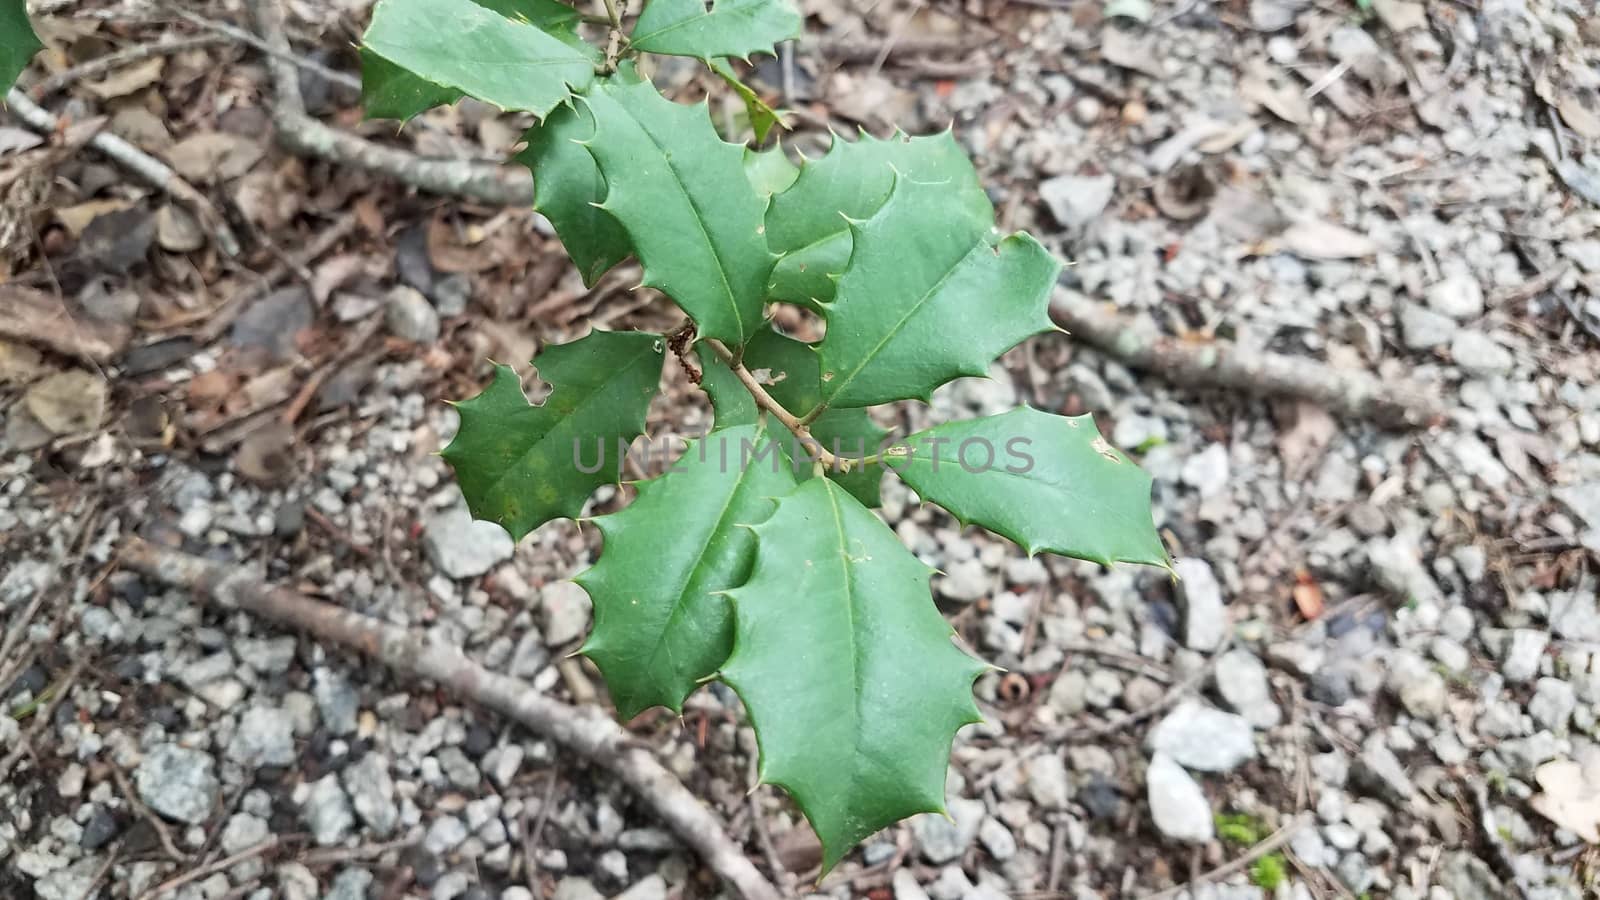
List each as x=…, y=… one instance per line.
x=1199, y=737
x=564, y=608
x=1177, y=804
x=1205, y=620
x=1242, y=682
x=462, y=547
x=1458, y=296
x=1076, y=200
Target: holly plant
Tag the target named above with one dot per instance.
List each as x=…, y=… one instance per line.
x=757, y=559
x=18, y=43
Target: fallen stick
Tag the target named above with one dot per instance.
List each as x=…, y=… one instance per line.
x=304, y=135
x=101, y=65
x=1220, y=364
x=585, y=731
x=153, y=171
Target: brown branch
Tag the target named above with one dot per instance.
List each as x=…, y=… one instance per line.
x=586, y=731
x=111, y=61
x=300, y=133
x=800, y=428
x=1220, y=364
x=153, y=171
x=193, y=875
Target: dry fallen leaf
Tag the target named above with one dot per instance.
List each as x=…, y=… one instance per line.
x=1401, y=15
x=214, y=156
x=69, y=402
x=128, y=79
x=177, y=230
x=20, y=363
x=266, y=455
x=1579, y=117
x=77, y=217
x=1570, y=797
x=1300, y=447
x=1122, y=49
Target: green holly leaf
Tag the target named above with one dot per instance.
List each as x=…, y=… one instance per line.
x=18, y=43
x=568, y=188
x=716, y=28
x=808, y=223
x=681, y=194
x=792, y=376
x=928, y=296
x=846, y=668
x=770, y=171
x=1046, y=482
x=508, y=62
x=661, y=623
x=522, y=465
x=762, y=117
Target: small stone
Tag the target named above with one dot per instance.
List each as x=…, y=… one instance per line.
x=462, y=547
x=1242, y=682
x=272, y=322
x=576, y=889
x=410, y=316
x=75, y=882
x=1424, y=695
x=651, y=887
x=451, y=293
x=350, y=884
x=1047, y=782
x=1207, y=471
x=100, y=830
x=965, y=581
x=242, y=832
x=270, y=656
x=265, y=737
x=178, y=783
x=450, y=886
x=337, y=701
x=327, y=812
x=1552, y=704
x=1068, y=693
x=1423, y=329
x=445, y=834
x=1523, y=654
x=1178, y=806
x=997, y=839
x=906, y=887
x=942, y=840
x=1450, y=654
x=1205, y=620
x=1199, y=737
x=371, y=792
x=1459, y=297
x=502, y=764
x=564, y=609
x=1380, y=769
x=1076, y=200
x=1479, y=354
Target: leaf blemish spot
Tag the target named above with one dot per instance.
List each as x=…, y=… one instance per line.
x=1104, y=449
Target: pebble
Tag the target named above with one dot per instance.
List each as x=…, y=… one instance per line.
x=1205, y=619
x=1207, y=471
x=1553, y=703
x=1423, y=329
x=350, y=884
x=1478, y=354
x=1524, y=654
x=1242, y=682
x=942, y=840
x=327, y=812
x=1047, y=781
x=178, y=783
x=462, y=547
x=1075, y=200
x=564, y=610
x=1458, y=296
x=1199, y=737
x=337, y=701
x=1178, y=806
x=265, y=737
x=371, y=792
x=410, y=316
x=997, y=839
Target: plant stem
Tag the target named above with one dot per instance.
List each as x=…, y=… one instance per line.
x=614, y=15
x=800, y=428
x=818, y=410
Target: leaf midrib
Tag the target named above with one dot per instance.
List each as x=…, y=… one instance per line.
x=900, y=324
x=699, y=219
x=682, y=589
x=855, y=647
